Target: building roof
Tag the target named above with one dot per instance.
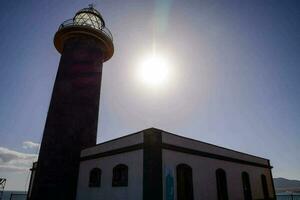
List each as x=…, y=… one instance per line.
x=171, y=142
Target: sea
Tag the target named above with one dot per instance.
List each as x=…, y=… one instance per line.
x=14, y=195
x=288, y=196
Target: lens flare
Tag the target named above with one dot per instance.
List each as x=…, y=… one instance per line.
x=154, y=70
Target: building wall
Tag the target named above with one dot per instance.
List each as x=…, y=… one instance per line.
x=204, y=176
x=134, y=190
x=141, y=151
x=125, y=141
x=202, y=146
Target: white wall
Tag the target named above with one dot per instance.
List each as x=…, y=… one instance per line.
x=134, y=190
x=204, y=178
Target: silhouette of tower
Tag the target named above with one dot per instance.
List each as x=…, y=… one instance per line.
x=84, y=43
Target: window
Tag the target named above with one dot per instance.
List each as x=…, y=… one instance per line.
x=184, y=182
x=246, y=186
x=95, y=178
x=221, y=184
x=120, y=176
x=265, y=186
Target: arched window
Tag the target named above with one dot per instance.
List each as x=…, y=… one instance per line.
x=184, y=182
x=120, y=175
x=221, y=184
x=95, y=178
x=265, y=186
x=246, y=186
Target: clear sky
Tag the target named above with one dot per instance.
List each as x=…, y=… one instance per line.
x=234, y=80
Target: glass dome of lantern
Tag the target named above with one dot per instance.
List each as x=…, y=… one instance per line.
x=89, y=17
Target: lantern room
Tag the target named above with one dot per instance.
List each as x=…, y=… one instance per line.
x=88, y=22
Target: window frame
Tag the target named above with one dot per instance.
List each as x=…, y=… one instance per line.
x=184, y=175
x=222, y=188
x=246, y=186
x=120, y=176
x=265, y=188
x=95, y=177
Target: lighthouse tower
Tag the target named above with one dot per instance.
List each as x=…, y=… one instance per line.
x=84, y=44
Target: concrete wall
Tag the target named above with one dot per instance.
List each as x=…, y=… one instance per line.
x=114, y=144
x=204, y=178
x=134, y=190
x=202, y=146
x=204, y=168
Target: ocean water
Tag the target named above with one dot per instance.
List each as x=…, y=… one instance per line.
x=14, y=195
x=288, y=196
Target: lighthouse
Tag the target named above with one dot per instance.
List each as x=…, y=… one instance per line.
x=85, y=44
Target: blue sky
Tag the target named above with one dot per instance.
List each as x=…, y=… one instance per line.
x=235, y=76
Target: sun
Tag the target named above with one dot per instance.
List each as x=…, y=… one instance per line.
x=154, y=70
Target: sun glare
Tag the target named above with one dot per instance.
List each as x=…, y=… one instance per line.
x=154, y=70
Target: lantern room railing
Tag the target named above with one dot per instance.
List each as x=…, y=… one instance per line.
x=72, y=22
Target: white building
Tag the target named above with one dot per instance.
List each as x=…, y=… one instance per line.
x=153, y=164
